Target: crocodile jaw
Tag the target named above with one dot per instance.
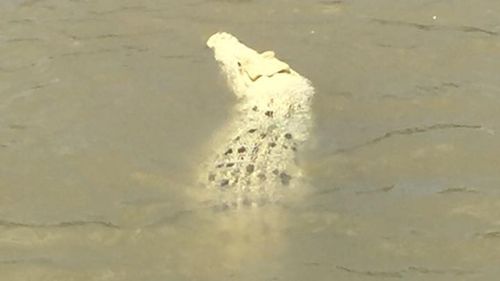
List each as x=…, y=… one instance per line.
x=243, y=66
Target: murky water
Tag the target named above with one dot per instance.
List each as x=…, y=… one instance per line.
x=105, y=108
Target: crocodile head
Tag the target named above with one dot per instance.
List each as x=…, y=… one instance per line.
x=242, y=65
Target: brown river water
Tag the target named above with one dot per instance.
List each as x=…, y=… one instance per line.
x=106, y=108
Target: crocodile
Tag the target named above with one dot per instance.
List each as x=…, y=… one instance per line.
x=254, y=157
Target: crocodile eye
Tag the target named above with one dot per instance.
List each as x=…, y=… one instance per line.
x=239, y=64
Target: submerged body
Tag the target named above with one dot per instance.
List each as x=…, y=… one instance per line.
x=255, y=155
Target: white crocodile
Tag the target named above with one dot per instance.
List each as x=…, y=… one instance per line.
x=255, y=154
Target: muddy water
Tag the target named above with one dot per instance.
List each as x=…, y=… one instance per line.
x=105, y=107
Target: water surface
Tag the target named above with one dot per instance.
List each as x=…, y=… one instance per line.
x=107, y=106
